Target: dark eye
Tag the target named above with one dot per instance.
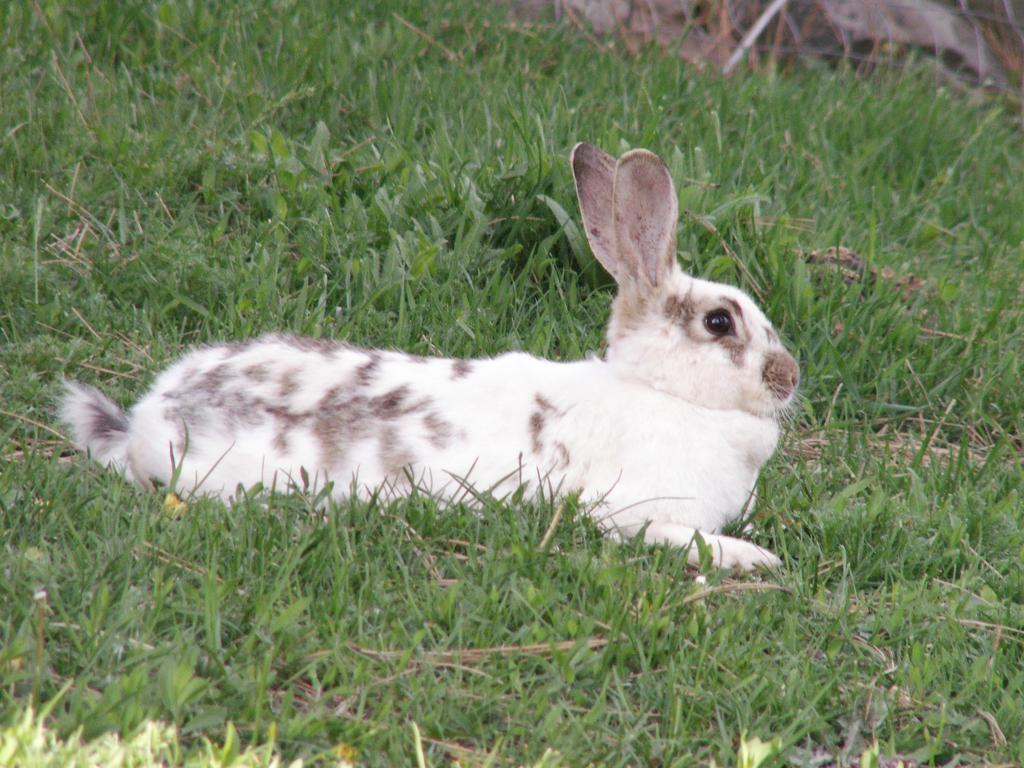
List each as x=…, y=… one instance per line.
x=718, y=322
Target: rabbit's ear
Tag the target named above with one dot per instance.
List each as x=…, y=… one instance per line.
x=594, y=172
x=646, y=212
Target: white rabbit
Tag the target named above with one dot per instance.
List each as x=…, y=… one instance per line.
x=665, y=435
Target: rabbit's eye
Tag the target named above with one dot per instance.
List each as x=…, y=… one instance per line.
x=718, y=322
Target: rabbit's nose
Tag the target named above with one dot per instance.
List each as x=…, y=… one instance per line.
x=780, y=374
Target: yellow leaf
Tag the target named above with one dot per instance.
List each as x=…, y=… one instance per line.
x=174, y=506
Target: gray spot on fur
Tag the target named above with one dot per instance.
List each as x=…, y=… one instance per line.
x=104, y=423
x=231, y=348
x=256, y=372
x=310, y=344
x=215, y=397
x=220, y=398
x=439, y=431
x=189, y=375
x=536, y=428
x=281, y=440
x=395, y=403
x=339, y=423
x=563, y=454
x=394, y=455
x=367, y=372
x=332, y=399
x=537, y=421
x=212, y=381
x=288, y=383
x=286, y=421
x=389, y=405
x=342, y=419
x=461, y=369
x=172, y=414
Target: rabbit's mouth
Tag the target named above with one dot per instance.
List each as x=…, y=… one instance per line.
x=782, y=411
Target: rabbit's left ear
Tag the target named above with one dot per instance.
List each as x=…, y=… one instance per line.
x=594, y=172
x=646, y=212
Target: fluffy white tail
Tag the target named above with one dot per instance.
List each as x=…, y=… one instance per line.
x=97, y=424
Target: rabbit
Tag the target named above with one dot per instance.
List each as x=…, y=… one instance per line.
x=665, y=435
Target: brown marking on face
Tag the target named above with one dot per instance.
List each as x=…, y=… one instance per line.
x=627, y=314
x=736, y=308
x=367, y=372
x=780, y=374
x=439, y=431
x=461, y=369
x=734, y=346
x=680, y=309
x=739, y=323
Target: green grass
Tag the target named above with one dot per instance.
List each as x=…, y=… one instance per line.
x=174, y=173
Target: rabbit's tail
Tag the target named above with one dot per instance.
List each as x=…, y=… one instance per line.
x=97, y=424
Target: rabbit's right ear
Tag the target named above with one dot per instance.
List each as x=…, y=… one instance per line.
x=594, y=172
x=646, y=212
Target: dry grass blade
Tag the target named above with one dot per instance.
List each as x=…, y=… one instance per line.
x=754, y=286
x=481, y=654
x=998, y=737
x=752, y=34
x=992, y=626
x=449, y=54
x=35, y=423
x=550, y=532
x=811, y=446
x=463, y=755
x=735, y=586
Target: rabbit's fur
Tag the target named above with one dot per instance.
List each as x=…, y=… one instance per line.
x=665, y=435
